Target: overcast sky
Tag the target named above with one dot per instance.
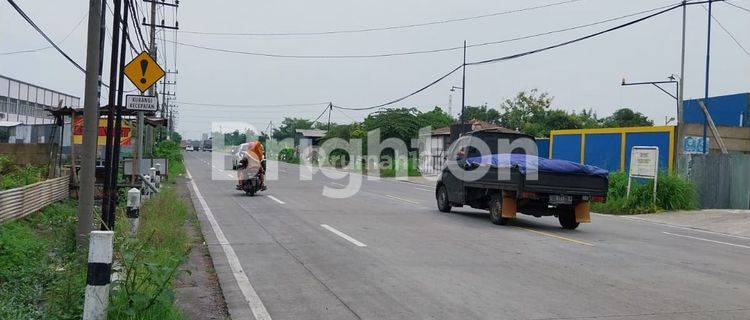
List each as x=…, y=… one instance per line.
x=582, y=75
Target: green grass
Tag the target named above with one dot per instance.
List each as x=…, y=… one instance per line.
x=151, y=261
x=171, y=151
x=41, y=274
x=13, y=177
x=672, y=193
x=412, y=169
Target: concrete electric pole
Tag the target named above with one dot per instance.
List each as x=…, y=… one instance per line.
x=90, y=122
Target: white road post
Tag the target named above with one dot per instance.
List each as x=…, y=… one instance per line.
x=134, y=206
x=152, y=173
x=158, y=175
x=98, y=276
x=146, y=189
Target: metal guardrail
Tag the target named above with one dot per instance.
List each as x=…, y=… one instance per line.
x=20, y=202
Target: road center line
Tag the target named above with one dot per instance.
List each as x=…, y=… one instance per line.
x=557, y=237
x=402, y=199
x=251, y=297
x=275, y=199
x=425, y=189
x=707, y=240
x=343, y=235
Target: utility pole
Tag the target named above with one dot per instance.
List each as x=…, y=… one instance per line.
x=107, y=208
x=118, y=120
x=139, y=150
x=463, y=93
x=681, y=86
x=708, y=63
x=330, y=108
x=90, y=122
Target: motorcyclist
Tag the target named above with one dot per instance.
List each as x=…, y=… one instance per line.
x=253, y=160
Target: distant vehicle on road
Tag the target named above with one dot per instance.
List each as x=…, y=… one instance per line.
x=207, y=145
x=563, y=189
x=189, y=148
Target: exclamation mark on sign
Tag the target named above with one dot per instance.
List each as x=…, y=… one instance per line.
x=144, y=66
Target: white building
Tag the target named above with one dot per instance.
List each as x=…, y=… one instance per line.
x=25, y=103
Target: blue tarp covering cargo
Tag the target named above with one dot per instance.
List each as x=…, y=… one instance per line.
x=526, y=162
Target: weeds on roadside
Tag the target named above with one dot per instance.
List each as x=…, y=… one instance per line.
x=15, y=177
x=672, y=193
x=148, y=263
x=42, y=276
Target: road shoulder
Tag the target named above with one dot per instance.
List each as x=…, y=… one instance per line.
x=730, y=222
x=200, y=293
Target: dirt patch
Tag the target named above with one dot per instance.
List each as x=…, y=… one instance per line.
x=198, y=292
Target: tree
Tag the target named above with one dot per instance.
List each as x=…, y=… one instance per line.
x=401, y=123
x=288, y=127
x=234, y=138
x=482, y=113
x=626, y=117
x=526, y=112
x=174, y=136
x=436, y=118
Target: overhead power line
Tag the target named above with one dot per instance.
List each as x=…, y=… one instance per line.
x=31, y=22
x=738, y=6
x=386, y=28
x=78, y=24
x=737, y=42
x=406, y=96
x=417, y=52
x=208, y=104
x=624, y=25
x=522, y=54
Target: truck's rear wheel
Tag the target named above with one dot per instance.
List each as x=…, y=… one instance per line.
x=442, y=199
x=496, y=210
x=567, y=219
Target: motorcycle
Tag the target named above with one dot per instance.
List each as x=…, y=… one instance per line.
x=254, y=183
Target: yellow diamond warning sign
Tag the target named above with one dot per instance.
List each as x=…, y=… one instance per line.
x=143, y=71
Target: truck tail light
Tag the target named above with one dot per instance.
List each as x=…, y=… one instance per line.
x=528, y=195
x=598, y=198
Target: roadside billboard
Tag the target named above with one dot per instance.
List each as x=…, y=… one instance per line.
x=125, y=136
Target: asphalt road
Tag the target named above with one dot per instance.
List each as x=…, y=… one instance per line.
x=388, y=253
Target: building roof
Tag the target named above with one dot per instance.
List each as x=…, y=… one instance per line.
x=475, y=126
x=6, y=124
x=311, y=133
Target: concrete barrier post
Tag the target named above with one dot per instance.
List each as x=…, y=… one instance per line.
x=133, y=208
x=98, y=276
x=154, y=179
x=158, y=175
x=146, y=189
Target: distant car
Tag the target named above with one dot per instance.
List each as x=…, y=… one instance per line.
x=189, y=148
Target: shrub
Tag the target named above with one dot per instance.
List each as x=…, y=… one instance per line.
x=171, y=151
x=672, y=193
x=41, y=274
x=14, y=178
x=150, y=261
x=412, y=168
x=287, y=155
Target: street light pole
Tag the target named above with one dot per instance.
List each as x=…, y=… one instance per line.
x=708, y=63
x=681, y=85
x=463, y=93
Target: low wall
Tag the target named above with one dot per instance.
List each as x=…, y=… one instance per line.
x=28, y=153
x=721, y=180
x=20, y=202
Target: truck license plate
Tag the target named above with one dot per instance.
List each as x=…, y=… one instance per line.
x=560, y=199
